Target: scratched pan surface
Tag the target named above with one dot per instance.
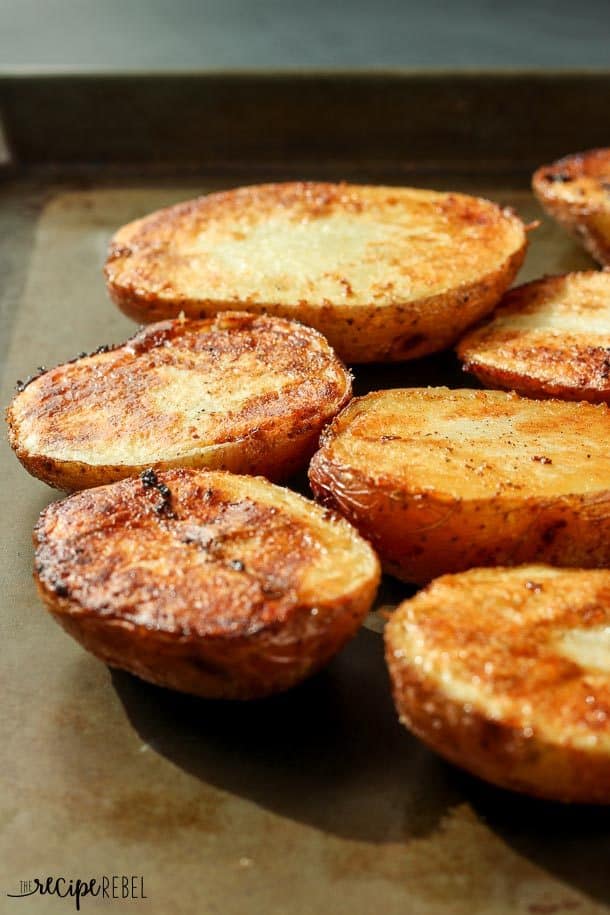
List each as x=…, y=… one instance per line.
x=313, y=802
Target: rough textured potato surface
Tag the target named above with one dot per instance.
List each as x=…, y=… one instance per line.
x=443, y=480
x=575, y=190
x=239, y=392
x=206, y=582
x=506, y=672
x=549, y=338
x=385, y=273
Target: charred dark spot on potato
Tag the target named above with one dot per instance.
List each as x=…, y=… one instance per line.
x=78, y=356
x=237, y=564
x=60, y=588
x=541, y=459
x=165, y=506
x=21, y=385
x=150, y=480
x=550, y=533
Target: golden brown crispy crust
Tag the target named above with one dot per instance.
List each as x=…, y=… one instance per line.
x=441, y=481
x=373, y=268
x=205, y=582
x=239, y=392
x=493, y=669
x=575, y=191
x=548, y=338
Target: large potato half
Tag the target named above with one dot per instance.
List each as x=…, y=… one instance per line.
x=204, y=581
x=240, y=392
x=384, y=273
x=443, y=480
x=506, y=672
x=549, y=338
x=575, y=190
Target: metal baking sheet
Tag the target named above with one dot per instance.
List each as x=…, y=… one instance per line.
x=316, y=801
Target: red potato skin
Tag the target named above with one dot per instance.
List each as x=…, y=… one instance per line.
x=495, y=751
x=230, y=667
x=528, y=387
x=585, y=215
x=146, y=277
x=381, y=334
x=548, y=364
x=89, y=397
x=573, y=531
x=480, y=674
x=124, y=577
x=428, y=522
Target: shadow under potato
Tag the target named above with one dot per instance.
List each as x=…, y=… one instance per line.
x=437, y=370
x=570, y=841
x=330, y=753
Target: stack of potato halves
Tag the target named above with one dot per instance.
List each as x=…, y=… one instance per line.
x=178, y=560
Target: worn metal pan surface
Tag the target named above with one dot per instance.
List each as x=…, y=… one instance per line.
x=315, y=801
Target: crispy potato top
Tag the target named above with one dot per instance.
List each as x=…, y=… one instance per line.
x=528, y=646
x=555, y=331
x=313, y=243
x=180, y=386
x=581, y=180
x=198, y=553
x=466, y=444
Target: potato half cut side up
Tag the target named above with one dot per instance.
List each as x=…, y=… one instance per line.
x=575, y=191
x=444, y=480
x=506, y=672
x=238, y=392
x=384, y=273
x=549, y=338
x=215, y=584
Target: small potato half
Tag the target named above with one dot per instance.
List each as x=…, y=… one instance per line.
x=444, y=480
x=549, y=338
x=240, y=392
x=575, y=191
x=203, y=581
x=385, y=273
x=506, y=672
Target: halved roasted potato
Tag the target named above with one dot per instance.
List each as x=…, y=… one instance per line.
x=506, y=672
x=239, y=392
x=385, y=273
x=549, y=338
x=575, y=190
x=443, y=480
x=206, y=582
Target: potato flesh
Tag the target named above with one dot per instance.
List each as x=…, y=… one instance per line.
x=528, y=646
x=441, y=481
x=210, y=583
x=549, y=337
x=328, y=244
x=475, y=444
x=375, y=269
x=242, y=392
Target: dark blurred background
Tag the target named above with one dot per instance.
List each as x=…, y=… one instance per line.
x=275, y=34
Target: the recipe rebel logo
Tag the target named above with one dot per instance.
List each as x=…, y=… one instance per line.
x=113, y=886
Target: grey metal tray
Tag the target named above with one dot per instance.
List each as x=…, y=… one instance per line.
x=316, y=801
